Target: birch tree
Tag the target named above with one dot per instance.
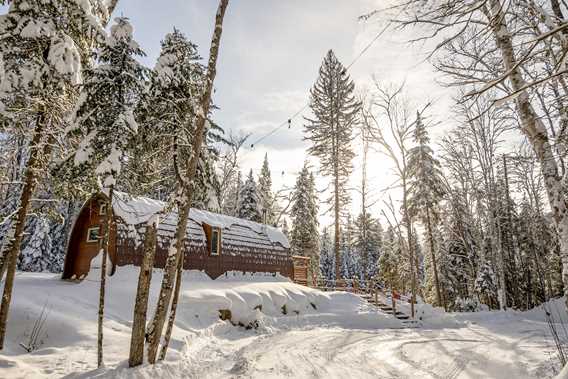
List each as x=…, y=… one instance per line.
x=186, y=178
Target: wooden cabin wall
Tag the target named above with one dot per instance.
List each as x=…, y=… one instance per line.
x=80, y=253
x=241, y=251
x=197, y=257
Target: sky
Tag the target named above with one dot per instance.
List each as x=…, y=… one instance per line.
x=270, y=54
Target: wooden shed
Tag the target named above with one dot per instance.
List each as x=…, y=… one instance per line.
x=214, y=243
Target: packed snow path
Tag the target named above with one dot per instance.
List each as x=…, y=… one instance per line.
x=322, y=335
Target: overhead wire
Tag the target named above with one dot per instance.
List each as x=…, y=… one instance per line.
x=288, y=121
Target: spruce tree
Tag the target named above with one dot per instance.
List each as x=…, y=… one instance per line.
x=330, y=131
x=426, y=189
x=104, y=118
x=265, y=193
x=249, y=201
x=166, y=114
x=304, y=236
x=368, y=243
x=327, y=259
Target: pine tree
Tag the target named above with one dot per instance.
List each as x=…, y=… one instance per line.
x=36, y=254
x=426, y=189
x=327, y=259
x=304, y=236
x=304, y=211
x=44, y=46
x=368, y=245
x=349, y=261
x=265, y=193
x=485, y=283
x=166, y=114
x=335, y=110
x=390, y=270
x=249, y=201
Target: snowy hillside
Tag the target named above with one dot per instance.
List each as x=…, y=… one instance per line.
x=332, y=335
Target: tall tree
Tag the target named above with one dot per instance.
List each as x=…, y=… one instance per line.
x=249, y=201
x=104, y=118
x=187, y=188
x=44, y=47
x=391, y=128
x=336, y=112
x=425, y=191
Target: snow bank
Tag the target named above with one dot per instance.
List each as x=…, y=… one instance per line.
x=67, y=342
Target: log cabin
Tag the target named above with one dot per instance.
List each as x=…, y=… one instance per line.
x=214, y=243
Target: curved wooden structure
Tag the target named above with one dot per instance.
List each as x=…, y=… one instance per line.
x=214, y=243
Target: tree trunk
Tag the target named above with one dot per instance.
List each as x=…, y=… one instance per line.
x=536, y=133
x=202, y=113
x=141, y=306
x=337, y=232
x=433, y=255
x=173, y=309
x=11, y=255
x=166, y=289
x=410, y=248
x=104, y=251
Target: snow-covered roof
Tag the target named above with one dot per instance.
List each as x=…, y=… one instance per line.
x=136, y=210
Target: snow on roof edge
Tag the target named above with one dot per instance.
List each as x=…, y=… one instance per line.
x=135, y=210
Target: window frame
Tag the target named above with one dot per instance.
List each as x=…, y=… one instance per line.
x=98, y=229
x=102, y=208
x=218, y=250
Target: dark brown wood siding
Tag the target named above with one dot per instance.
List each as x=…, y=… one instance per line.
x=80, y=253
x=241, y=250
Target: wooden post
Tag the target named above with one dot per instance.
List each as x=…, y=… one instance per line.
x=376, y=296
x=393, y=302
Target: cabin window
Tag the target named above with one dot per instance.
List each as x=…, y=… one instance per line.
x=102, y=209
x=215, y=246
x=93, y=234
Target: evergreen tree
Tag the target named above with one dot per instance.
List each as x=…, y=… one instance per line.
x=335, y=110
x=36, y=254
x=104, y=118
x=390, y=269
x=265, y=193
x=485, y=284
x=368, y=244
x=349, y=261
x=426, y=189
x=166, y=114
x=327, y=259
x=304, y=236
x=44, y=47
x=104, y=114
x=249, y=201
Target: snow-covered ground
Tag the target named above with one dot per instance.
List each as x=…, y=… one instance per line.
x=328, y=335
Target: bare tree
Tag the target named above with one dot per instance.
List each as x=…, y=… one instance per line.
x=391, y=128
x=498, y=43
